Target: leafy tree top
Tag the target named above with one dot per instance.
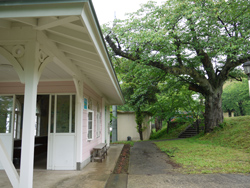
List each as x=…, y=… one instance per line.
x=202, y=41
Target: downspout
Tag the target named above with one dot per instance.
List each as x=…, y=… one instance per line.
x=114, y=123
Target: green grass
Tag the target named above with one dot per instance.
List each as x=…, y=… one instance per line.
x=131, y=143
x=234, y=134
x=173, y=133
x=226, y=150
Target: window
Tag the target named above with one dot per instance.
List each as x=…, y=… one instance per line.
x=6, y=107
x=90, y=125
x=37, y=123
x=17, y=122
x=62, y=114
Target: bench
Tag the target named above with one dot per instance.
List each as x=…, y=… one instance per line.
x=99, y=152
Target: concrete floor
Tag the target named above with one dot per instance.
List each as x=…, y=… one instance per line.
x=94, y=175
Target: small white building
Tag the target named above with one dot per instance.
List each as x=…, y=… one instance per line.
x=126, y=126
x=56, y=85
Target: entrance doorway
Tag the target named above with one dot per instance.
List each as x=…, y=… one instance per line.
x=41, y=131
x=61, y=136
x=55, y=138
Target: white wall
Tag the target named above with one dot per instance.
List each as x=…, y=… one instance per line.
x=126, y=126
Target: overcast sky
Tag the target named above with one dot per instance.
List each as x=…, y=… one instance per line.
x=106, y=9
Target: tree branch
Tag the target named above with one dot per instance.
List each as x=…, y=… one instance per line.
x=238, y=79
x=208, y=66
x=119, y=52
x=230, y=65
x=224, y=26
x=174, y=70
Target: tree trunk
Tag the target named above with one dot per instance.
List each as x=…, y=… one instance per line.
x=168, y=126
x=197, y=126
x=157, y=124
x=213, y=110
x=140, y=131
x=160, y=123
x=241, y=108
x=229, y=113
x=139, y=120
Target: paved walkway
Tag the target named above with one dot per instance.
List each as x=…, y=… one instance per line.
x=149, y=168
x=94, y=175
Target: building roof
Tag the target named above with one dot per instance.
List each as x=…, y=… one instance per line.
x=70, y=32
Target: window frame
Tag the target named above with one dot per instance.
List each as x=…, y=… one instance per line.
x=88, y=129
x=53, y=116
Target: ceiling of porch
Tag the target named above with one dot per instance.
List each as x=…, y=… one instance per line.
x=76, y=41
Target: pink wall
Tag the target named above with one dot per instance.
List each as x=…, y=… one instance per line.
x=89, y=144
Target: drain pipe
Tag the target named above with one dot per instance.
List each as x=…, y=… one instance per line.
x=114, y=123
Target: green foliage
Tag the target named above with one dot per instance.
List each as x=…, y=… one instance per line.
x=175, y=100
x=173, y=133
x=235, y=98
x=200, y=42
x=139, y=117
x=131, y=143
x=6, y=105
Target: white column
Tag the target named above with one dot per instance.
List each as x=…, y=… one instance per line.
x=79, y=121
x=104, y=139
x=30, y=96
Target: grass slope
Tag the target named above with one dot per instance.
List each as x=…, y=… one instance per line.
x=226, y=150
x=173, y=133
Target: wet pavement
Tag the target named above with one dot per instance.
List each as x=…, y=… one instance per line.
x=147, y=159
x=94, y=175
x=149, y=168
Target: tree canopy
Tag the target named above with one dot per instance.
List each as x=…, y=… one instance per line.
x=235, y=98
x=202, y=42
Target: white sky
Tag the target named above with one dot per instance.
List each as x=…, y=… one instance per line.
x=105, y=9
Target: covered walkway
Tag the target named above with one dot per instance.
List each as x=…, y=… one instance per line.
x=94, y=175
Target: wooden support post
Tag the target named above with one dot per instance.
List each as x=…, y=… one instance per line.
x=79, y=121
x=30, y=96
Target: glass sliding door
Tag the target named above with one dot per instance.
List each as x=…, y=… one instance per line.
x=6, y=123
x=62, y=133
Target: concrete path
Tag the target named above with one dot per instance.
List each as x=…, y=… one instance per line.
x=94, y=175
x=149, y=168
x=147, y=159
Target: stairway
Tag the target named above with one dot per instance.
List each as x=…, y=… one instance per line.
x=190, y=131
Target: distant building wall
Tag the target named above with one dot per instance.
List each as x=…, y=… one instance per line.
x=225, y=114
x=126, y=126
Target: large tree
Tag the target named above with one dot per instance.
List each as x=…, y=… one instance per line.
x=200, y=41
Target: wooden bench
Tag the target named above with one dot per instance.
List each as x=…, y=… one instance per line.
x=99, y=152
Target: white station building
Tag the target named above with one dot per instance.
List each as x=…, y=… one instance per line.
x=56, y=85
